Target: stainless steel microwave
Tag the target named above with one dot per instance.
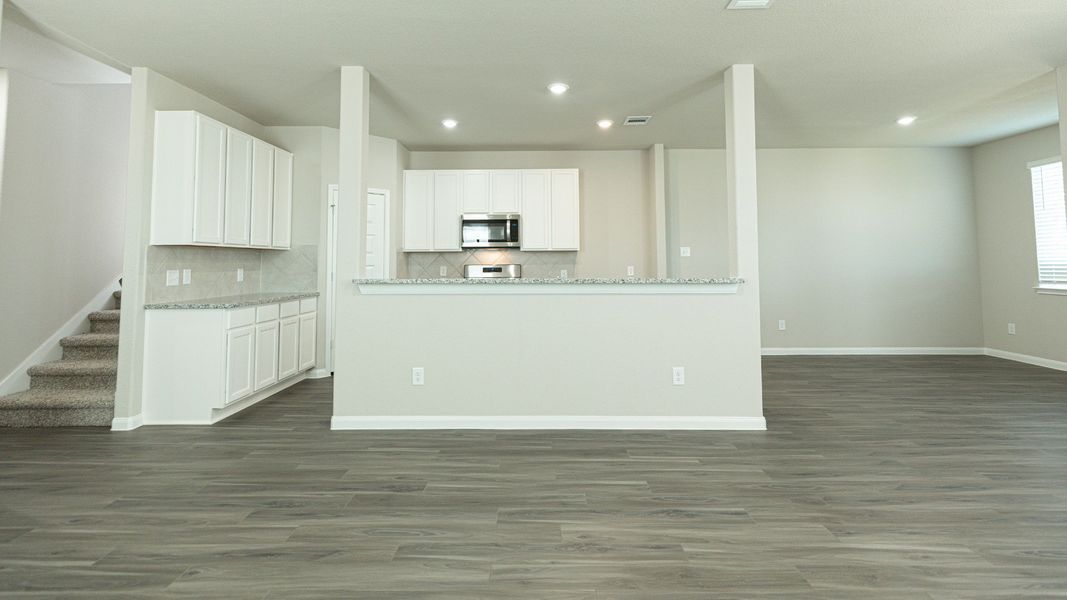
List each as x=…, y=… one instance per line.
x=490, y=230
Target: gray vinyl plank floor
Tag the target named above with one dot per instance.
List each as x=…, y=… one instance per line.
x=879, y=477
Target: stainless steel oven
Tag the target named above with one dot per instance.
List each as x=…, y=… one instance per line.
x=490, y=230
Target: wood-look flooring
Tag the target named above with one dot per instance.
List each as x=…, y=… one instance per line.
x=880, y=477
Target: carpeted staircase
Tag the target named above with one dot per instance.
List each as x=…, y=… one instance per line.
x=77, y=390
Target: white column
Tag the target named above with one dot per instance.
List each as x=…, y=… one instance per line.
x=1061, y=92
x=352, y=176
x=741, y=172
x=659, y=199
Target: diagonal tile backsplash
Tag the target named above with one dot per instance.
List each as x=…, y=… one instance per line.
x=214, y=271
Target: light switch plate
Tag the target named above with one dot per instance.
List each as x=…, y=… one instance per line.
x=187, y=276
x=443, y=271
x=1011, y=328
x=563, y=273
x=687, y=251
x=678, y=376
x=240, y=274
x=630, y=271
x=173, y=277
x=418, y=376
x=781, y=324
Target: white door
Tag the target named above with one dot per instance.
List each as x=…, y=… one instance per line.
x=534, y=227
x=307, y=341
x=210, y=190
x=377, y=258
x=266, y=354
x=504, y=192
x=240, y=362
x=475, y=192
x=288, y=347
x=447, y=189
x=283, y=199
x=564, y=210
x=238, y=186
x=331, y=274
x=418, y=210
x=262, y=193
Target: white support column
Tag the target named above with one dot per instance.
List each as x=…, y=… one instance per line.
x=1061, y=92
x=659, y=199
x=741, y=172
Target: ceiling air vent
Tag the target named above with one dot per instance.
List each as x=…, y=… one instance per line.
x=748, y=4
x=638, y=120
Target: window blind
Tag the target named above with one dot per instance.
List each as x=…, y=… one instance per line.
x=1050, y=223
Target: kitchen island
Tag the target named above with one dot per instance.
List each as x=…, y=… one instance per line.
x=556, y=285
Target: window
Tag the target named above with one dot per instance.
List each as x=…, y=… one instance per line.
x=1050, y=223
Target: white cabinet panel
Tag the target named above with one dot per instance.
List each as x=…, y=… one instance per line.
x=504, y=192
x=447, y=187
x=565, y=211
x=535, y=223
x=266, y=354
x=308, y=331
x=240, y=358
x=283, y=199
x=209, y=194
x=238, y=186
x=288, y=347
x=475, y=188
x=262, y=217
x=418, y=210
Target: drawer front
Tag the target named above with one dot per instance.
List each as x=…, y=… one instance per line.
x=267, y=313
x=290, y=309
x=240, y=317
x=308, y=305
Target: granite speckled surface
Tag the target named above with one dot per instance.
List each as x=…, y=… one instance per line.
x=232, y=301
x=557, y=281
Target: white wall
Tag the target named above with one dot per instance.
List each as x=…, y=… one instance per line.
x=616, y=210
x=1008, y=252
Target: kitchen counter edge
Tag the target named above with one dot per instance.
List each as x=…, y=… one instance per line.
x=224, y=302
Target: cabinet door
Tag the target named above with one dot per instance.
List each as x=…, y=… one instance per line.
x=238, y=186
x=210, y=187
x=564, y=210
x=289, y=347
x=475, y=192
x=240, y=359
x=283, y=199
x=504, y=191
x=262, y=218
x=266, y=354
x=447, y=188
x=534, y=232
x=307, y=341
x=418, y=210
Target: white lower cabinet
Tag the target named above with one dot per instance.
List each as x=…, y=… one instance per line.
x=200, y=362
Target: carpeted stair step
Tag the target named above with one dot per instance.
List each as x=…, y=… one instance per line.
x=42, y=407
x=91, y=346
x=97, y=374
x=104, y=321
x=118, y=299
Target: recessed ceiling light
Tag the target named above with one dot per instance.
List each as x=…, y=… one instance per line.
x=450, y=123
x=558, y=88
x=906, y=120
x=748, y=4
x=605, y=123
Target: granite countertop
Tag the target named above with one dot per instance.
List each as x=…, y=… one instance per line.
x=557, y=281
x=232, y=301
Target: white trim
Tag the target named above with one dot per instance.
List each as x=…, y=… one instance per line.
x=1025, y=358
x=522, y=289
x=1051, y=289
x=891, y=350
x=1040, y=163
x=318, y=373
x=18, y=380
x=387, y=272
x=127, y=423
x=331, y=274
x=701, y=423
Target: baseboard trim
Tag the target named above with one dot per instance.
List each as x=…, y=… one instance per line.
x=17, y=380
x=127, y=423
x=891, y=350
x=1026, y=358
x=548, y=422
x=318, y=374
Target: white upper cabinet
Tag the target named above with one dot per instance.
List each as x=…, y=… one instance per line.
x=565, y=210
x=475, y=189
x=447, y=190
x=283, y=199
x=504, y=192
x=262, y=221
x=535, y=221
x=213, y=185
x=418, y=211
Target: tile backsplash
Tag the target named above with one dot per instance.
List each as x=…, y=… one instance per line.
x=214, y=271
x=427, y=265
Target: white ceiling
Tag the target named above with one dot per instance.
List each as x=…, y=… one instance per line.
x=830, y=72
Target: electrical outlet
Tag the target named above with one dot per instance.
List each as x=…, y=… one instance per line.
x=678, y=376
x=686, y=251
x=781, y=324
x=173, y=277
x=418, y=376
x=1011, y=328
x=443, y=271
x=240, y=274
x=563, y=273
x=630, y=271
x=187, y=276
